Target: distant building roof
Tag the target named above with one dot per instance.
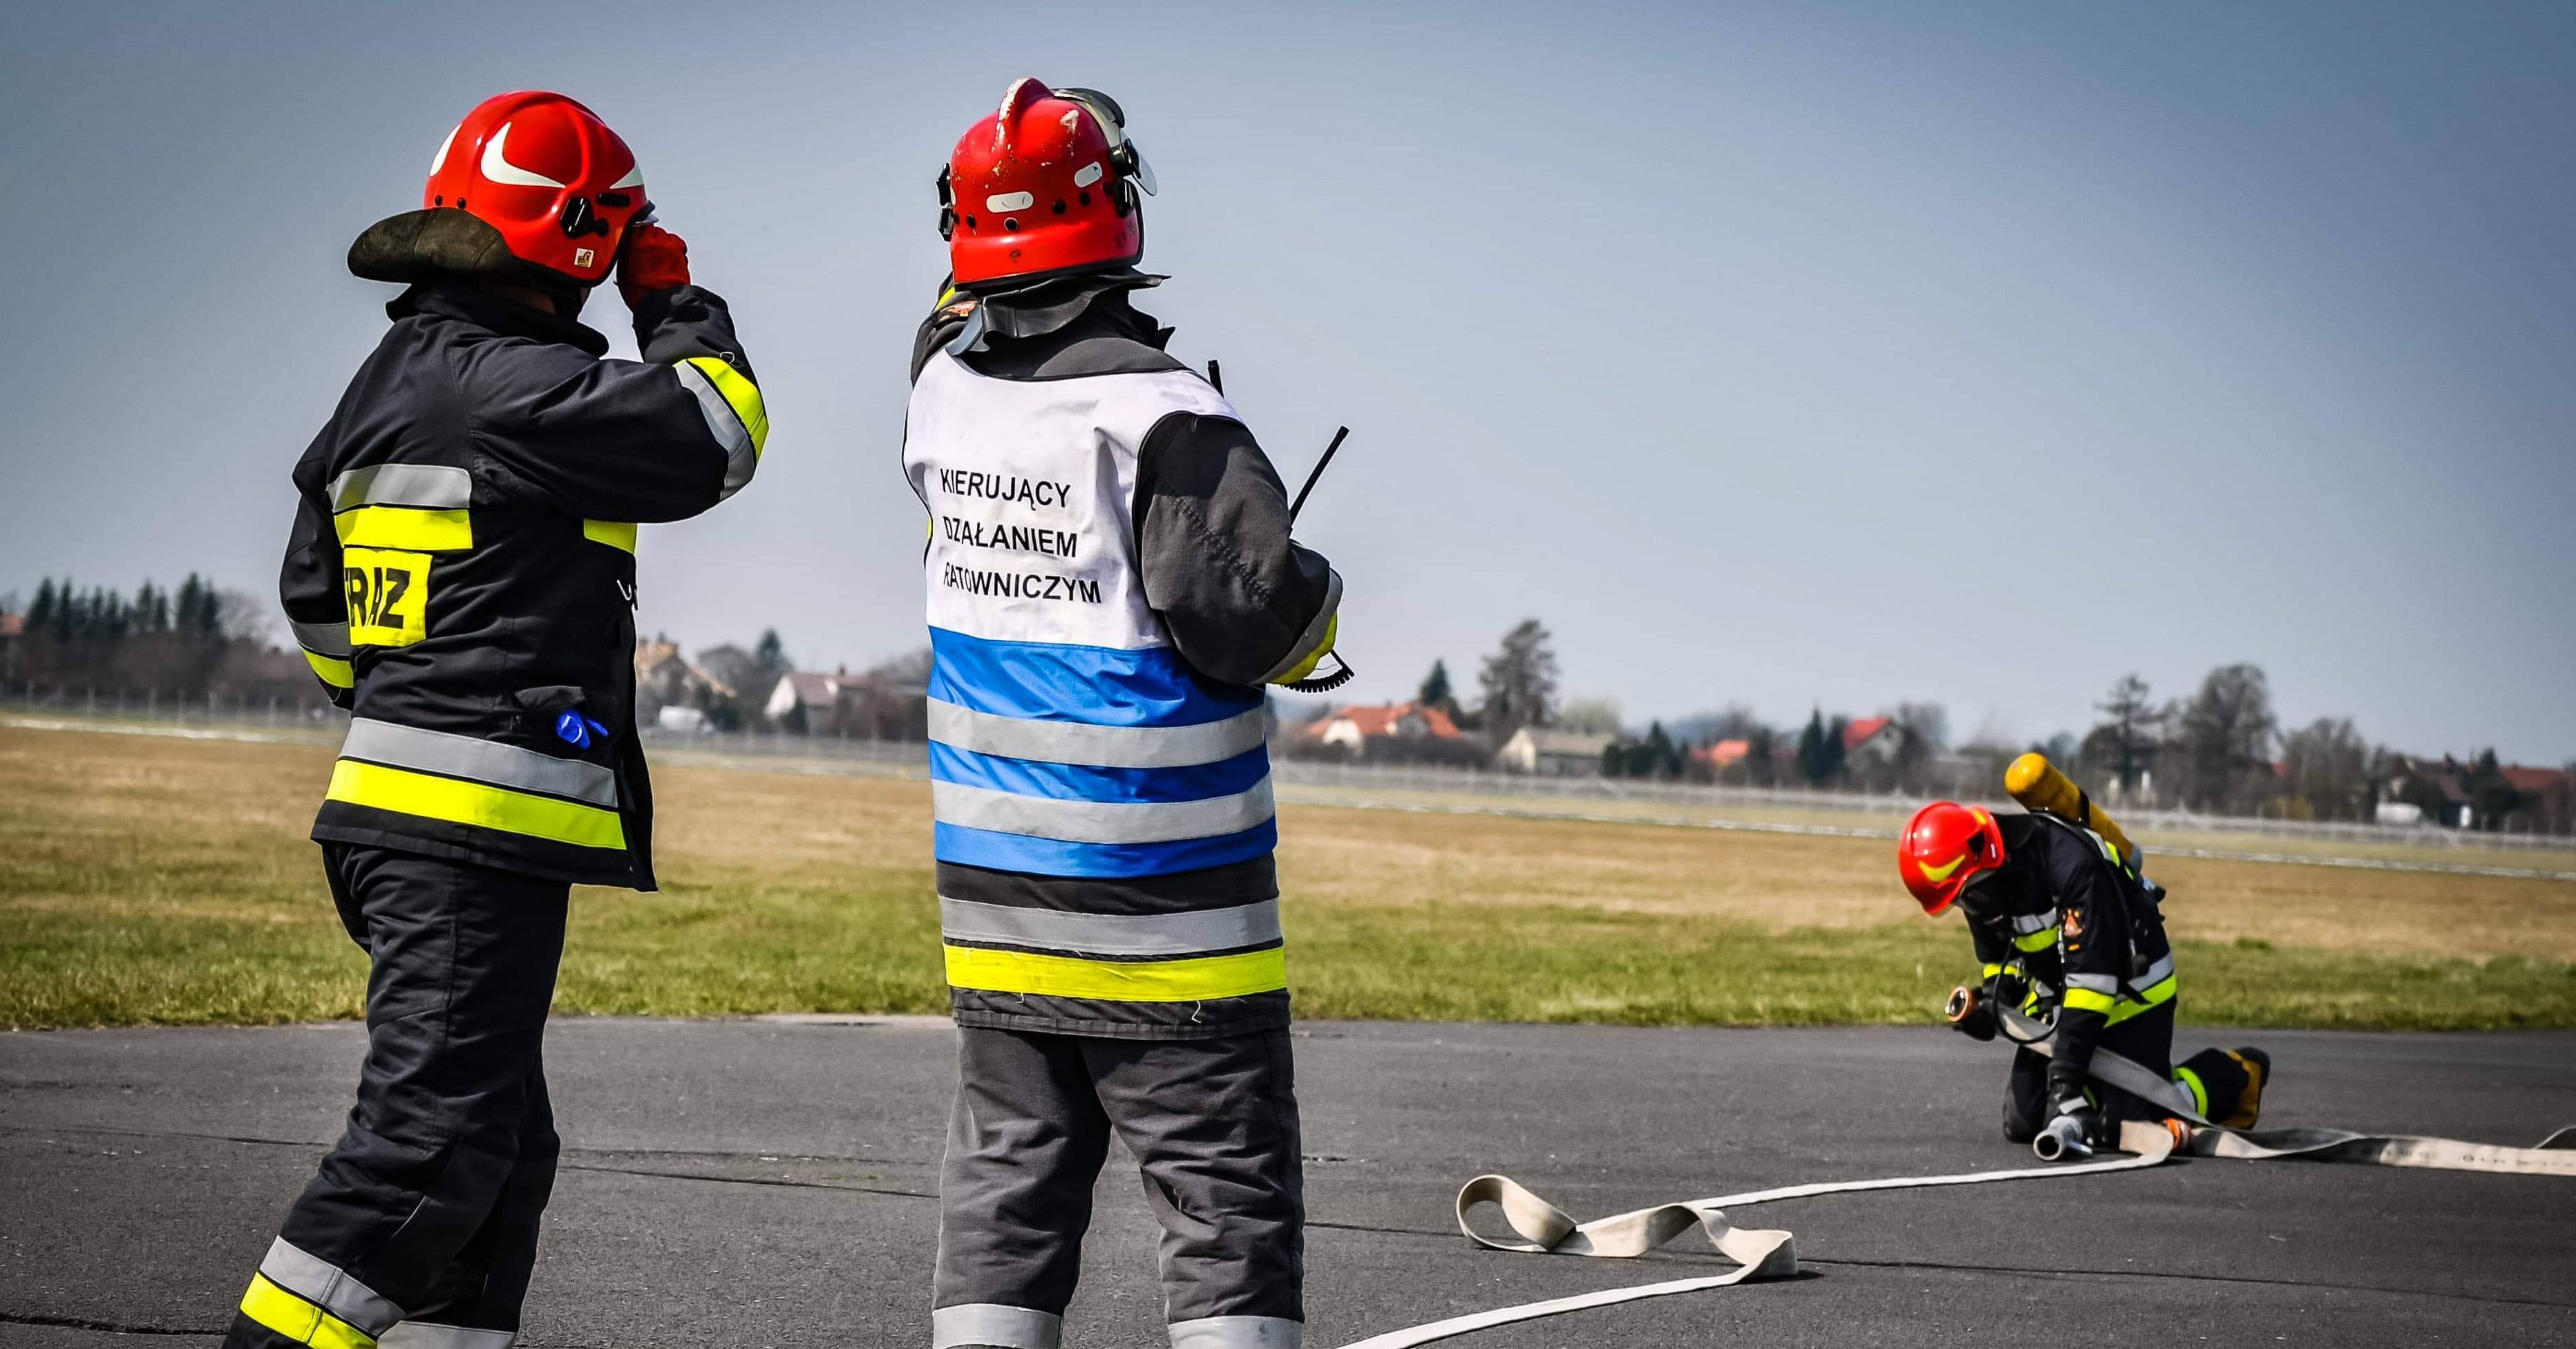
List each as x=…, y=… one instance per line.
x=1861, y=732
x=13, y=625
x=1723, y=753
x=2534, y=779
x=1369, y=722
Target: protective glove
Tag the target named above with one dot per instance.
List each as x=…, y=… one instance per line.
x=2077, y=1127
x=654, y=259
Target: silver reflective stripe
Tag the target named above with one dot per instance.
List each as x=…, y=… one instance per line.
x=742, y=458
x=1100, y=821
x=464, y=756
x=327, y=1286
x=994, y=1324
x=1096, y=746
x=428, y=486
x=420, y=1335
x=2029, y=923
x=2094, y=983
x=1112, y=934
x=1238, y=1332
x=1313, y=636
x=2155, y=974
x=323, y=639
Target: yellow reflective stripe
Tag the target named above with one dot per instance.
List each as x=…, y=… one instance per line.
x=332, y=670
x=2036, y=941
x=740, y=394
x=610, y=532
x=2199, y=1093
x=299, y=1320
x=474, y=803
x=1992, y=970
x=2086, y=1000
x=2156, y=996
x=1118, y=980
x=404, y=527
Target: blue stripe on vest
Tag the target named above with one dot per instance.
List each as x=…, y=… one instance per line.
x=1054, y=857
x=1093, y=685
x=1070, y=782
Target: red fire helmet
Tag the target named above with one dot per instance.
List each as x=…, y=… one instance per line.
x=1943, y=847
x=1046, y=184
x=548, y=174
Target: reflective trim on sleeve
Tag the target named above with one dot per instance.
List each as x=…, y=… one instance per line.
x=1118, y=980
x=423, y=1335
x=1070, y=742
x=2036, y=941
x=402, y=527
x=1238, y=1332
x=465, y=756
x=298, y=1320
x=322, y=639
x=2155, y=996
x=472, y=803
x=955, y=803
x=2023, y=924
x=426, y=486
x=2199, y=1093
x=327, y=1286
x=2154, y=974
x=1317, y=638
x=995, y=1324
x=2093, y=983
x=613, y=533
x=1107, y=934
x=1991, y=970
x=735, y=414
x=2086, y=1000
x=335, y=673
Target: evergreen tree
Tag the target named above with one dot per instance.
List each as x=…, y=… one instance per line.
x=1435, y=691
x=1519, y=680
x=1820, y=749
x=46, y=611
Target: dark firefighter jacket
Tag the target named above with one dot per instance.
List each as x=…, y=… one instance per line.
x=1238, y=598
x=2066, y=912
x=461, y=573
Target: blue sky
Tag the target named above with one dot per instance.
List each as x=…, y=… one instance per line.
x=1770, y=354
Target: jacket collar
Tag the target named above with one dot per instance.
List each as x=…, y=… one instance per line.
x=469, y=304
x=1053, y=305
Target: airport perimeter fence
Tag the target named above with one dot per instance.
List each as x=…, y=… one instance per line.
x=319, y=722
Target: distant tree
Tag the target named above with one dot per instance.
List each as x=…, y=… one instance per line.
x=2123, y=745
x=772, y=655
x=1820, y=749
x=2492, y=796
x=2224, y=734
x=1435, y=690
x=1590, y=716
x=1519, y=680
x=1923, y=733
x=45, y=611
x=1734, y=722
x=2326, y=771
x=1761, y=755
x=1656, y=756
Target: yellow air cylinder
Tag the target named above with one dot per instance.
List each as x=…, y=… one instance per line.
x=2036, y=783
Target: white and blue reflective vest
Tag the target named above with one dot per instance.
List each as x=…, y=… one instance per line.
x=1068, y=738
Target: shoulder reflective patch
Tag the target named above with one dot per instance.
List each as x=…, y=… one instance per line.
x=427, y=486
x=616, y=535
x=735, y=414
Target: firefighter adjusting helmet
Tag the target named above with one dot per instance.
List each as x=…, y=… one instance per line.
x=544, y=171
x=1945, y=846
x=1047, y=184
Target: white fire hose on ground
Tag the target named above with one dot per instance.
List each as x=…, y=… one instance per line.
x=1540, y=1228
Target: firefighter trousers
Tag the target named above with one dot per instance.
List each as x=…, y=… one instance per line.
x=420, y=1229
x=1213, y=1127
x=2224, y=1081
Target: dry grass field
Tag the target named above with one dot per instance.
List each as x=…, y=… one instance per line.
x=159, y=880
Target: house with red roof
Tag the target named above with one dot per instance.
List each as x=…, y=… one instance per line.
x=1352, y=728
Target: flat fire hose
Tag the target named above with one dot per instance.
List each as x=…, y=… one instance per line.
x=1543, y=1229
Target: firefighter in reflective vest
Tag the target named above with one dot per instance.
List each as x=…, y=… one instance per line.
x=2060, y=918
x=461, y=576
x=1110, y=584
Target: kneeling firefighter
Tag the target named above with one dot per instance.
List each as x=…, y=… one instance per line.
x=461, y=577
x=2064, y=923
x=1110, y=583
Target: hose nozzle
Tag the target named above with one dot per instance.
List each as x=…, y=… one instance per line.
x=2062, y=1141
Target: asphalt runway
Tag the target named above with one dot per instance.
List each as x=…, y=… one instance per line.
x=756, y=1183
